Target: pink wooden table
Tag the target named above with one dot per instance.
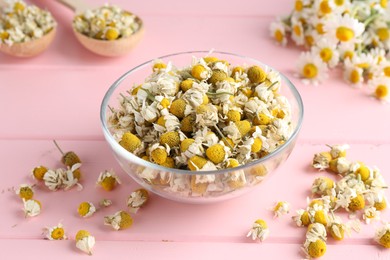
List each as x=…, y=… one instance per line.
x=57, y=96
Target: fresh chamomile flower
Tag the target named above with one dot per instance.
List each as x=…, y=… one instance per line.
x=324, y=7
x=311, y=68
x=118, y=221
x=259, y=230
x=278, y=32
x=371, y=214
x=281, y=208
x=346, y=50
x=55, y=233
x=137, y=199
x=344, y=28
x=381, y=87
x=297, y=33
x=327, y=50
x=25, y=191
x=108, y=180
x=353, y=74
x=86, y=209
x=31, y=207
x=382, y=235
x=105, y=203
x=84, y=241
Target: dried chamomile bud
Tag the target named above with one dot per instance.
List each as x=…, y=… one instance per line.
x=382, y=235
x=108, y=180
x=321, y=160
x=86, y=209
x=340, y=165
x=55, y=233
x=69, y=158
x=120, y=220
x=137, y=199
x=338, y=151
x=105, y=203
x=314, y=249
x=25, y=191
x=39, y=172
x=356, y=203
x=322, y=186
x=259, y=230
x=84, y=241
x=302, y=218
x=281, y=208
x=31, y=207
x=371, y=214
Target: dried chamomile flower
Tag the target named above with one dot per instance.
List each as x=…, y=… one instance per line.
x=314, y=249
x=108, y=180
x=371, y=214
x=84, y=241
x=137, y=199
x=281, y=208
x=20, y=22
x=38, y=172
x=337, y=151
x=31, y=207
x=259, y=230
x=120, y=220
x=382, y=235
x=69, y=158
x=340, y=165
x=302, y=218
x=25, y=191
x=55, y=233
x=321, y=160
x=322, y=186
x=105, y=203
x=86, y=209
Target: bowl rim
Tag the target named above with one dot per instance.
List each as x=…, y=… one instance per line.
x=137, y=160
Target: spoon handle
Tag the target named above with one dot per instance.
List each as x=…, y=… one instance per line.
x=77, y=6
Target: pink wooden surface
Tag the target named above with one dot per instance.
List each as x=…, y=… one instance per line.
x=57, y=96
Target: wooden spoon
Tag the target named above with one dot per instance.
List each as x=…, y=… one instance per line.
x=108, y=48
x=30, y=48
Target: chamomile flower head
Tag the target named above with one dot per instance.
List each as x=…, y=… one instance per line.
x=281, y=208
x=337, y=230
x=314, y=249
x=324, y=7
x=55, y=233
x=371, y=214
x=381, y=87
x=108, y=180
x=86, y=209
x=259, y=230
x=337, y=151
x=321, y=160
x=118, y=221
x=137, y=199
x=85, y=241
x=382, y=235
x=38, y=172
x=278, y=32
x=302, y=218
x=322, y=186
x=311, y=68
x=31, y=207
x=297, y=32
x=344, y=28
x=353, y=74
x=346, y=50
x=105, y=203
x=25, y=191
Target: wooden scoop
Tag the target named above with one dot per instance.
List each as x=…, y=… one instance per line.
x=111, y=48
x=30, y=48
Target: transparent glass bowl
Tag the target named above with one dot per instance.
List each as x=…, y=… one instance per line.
x=161, y=179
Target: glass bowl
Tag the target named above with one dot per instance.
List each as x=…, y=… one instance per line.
x=177, y=184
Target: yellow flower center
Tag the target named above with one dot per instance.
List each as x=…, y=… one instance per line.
x=383, y=33
x=344, y=34
x=354, y=77
x=325, y=8
x=108, y=183
x=112, y=34
x=81, y=234
x=383, y=3
x=262, y=223
x=385, y=240
x=386, y=71
x=310, y=71
x=297, y=30
x=316, y=249
x=26, y=193
x=309, y=40
x=216, y=153
x=58, y=233
x=326, y=54
x=339, y=2
x=298, y=5
x=320, y=28
x=83, y=209
x=381, y=91
x=348, y=55
x=363, y=65
x=278, y=36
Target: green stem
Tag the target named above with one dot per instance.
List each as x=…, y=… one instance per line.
x=223, y=136
x=111, y=109
x=273, y=84
x=370, y=19
x=58, y=147
x=219, y=93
